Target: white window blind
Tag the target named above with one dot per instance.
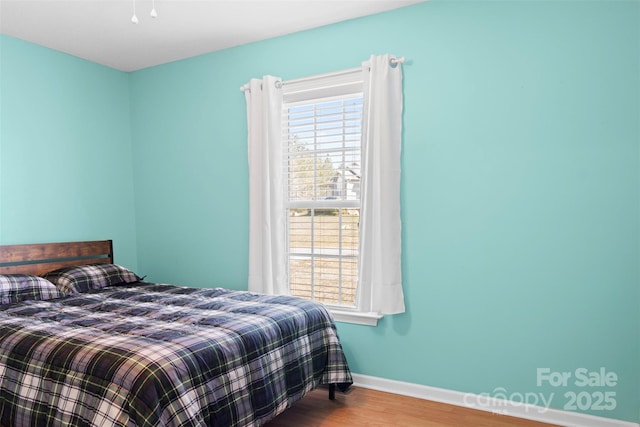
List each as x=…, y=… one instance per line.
x=322, y=141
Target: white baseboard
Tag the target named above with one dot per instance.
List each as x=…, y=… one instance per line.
x=489, y=404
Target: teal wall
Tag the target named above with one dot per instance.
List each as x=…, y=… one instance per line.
x=519, y=198
x=520, y=191
x=65, y=150
x=191, y=176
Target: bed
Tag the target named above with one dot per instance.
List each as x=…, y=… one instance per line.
x=86, y=342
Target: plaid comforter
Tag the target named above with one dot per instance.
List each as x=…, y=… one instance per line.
x=162, y=355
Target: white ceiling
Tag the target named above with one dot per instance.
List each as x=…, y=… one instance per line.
x=101, y=30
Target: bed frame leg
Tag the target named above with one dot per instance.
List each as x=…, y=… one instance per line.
x=332, y=391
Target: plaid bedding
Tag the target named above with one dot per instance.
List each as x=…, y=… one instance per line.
x=162, y=355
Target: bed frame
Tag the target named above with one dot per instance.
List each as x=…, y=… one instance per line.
x=40, y=258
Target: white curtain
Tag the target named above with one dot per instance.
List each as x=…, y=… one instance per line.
x=267, y=258
x=380, y=227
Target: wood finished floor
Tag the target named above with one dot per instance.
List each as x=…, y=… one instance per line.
x=370, y=408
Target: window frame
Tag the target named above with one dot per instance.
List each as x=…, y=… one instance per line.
x=313, y=90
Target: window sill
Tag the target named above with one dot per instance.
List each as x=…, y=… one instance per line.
x=357, y=317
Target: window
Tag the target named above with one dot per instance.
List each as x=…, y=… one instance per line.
x=324, y=188
x=322, y=144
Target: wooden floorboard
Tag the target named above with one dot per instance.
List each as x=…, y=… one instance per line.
x=365, y=407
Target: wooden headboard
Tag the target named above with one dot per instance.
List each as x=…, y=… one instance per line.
x=40, y=258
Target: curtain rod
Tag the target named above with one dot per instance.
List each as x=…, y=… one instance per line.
x=393, y=62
